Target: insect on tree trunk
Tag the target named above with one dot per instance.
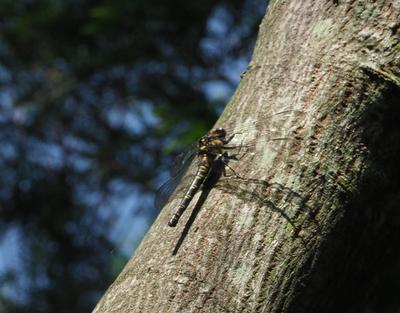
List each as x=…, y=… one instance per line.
x=315, y=216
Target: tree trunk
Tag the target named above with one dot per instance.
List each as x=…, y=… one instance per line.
x=316, y=212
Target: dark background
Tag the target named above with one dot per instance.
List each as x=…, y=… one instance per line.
x=95, y=97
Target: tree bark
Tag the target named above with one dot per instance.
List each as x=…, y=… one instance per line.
x=315, y=214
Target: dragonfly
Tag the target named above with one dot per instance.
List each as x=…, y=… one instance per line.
x=211, y=150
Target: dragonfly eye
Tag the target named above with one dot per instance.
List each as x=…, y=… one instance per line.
x=219, y=132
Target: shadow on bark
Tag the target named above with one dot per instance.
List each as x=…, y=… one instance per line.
x=353, y=271
x=240, y=187
x=288, y=203
x=206, y=188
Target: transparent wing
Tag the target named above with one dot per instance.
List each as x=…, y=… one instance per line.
x=179, y=167
x=165, y=191
x=182, y=160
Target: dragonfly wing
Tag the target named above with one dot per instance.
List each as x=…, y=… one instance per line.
x=182, y=161
x=180, y=165
x=165, y=191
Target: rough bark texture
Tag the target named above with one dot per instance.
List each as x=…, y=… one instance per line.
x=315, y=215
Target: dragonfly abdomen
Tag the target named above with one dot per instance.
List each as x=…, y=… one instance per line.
x=201, y=174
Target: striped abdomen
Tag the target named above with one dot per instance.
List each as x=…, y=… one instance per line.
x=199, y=178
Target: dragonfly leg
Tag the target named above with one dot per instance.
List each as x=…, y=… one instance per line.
x=226, y=141
x=240, y=148
x=225, y=158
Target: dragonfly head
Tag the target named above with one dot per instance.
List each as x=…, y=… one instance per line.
x=218, y=132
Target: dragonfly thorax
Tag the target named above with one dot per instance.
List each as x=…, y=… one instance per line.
x=212, y=143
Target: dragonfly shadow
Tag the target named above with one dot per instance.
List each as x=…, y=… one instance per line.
x=288, y=203
x=294, y=210
x=208, y=185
